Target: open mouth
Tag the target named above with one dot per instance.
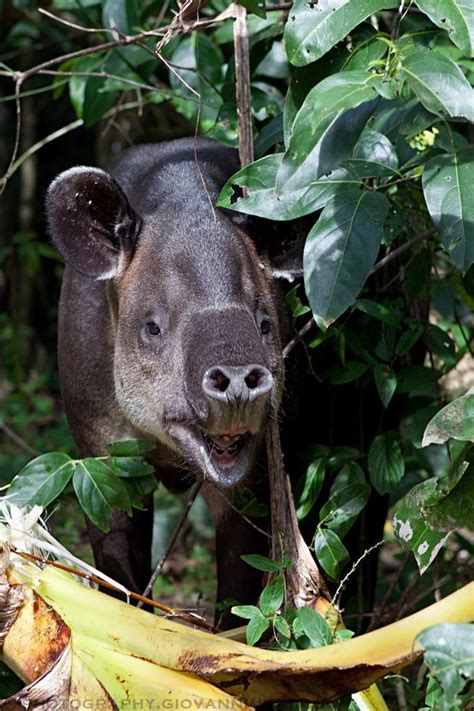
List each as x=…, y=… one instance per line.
x=224, y=449
x=225, y=458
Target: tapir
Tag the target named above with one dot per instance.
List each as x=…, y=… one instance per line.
x=170, y=328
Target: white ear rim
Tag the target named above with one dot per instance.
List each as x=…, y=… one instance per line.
x=287, y=275
x=77, y=170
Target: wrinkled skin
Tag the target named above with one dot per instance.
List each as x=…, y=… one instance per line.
x=169, y=329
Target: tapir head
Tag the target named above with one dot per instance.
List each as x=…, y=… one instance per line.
x=197, y=353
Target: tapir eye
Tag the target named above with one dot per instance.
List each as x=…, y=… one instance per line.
x=152, y=328
x=265, y=326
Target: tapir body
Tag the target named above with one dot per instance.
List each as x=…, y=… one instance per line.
x=169, y=328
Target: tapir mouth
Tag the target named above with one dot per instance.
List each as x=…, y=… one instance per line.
x=224, y=458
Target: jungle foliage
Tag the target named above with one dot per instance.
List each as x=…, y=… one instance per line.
x=362, y=114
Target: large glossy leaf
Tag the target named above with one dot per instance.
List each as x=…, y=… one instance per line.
x=341, y=510
x=338, y=106
x=438, y=83
x=449, y=654
x=386, y=464
x=454, y=421
x=374, y=156
x=309, y=487
x=447, y=187
x=260, y=197
x=455, y=16
x=41, y=480
x=330, y=552
x=340, y=252
x=314, y=27
x=98, y=490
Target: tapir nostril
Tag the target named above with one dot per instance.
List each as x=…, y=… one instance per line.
x=225, y=382
x=219, y=380
x=255, y=378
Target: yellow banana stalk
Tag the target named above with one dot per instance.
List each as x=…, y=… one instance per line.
x=135, y=655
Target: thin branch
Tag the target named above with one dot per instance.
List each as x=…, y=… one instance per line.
x=190, y=617
x=242, y=75
x=299, y=335
x=17, y=439
x=234, y=508
x=403, y=248
x=172, y=541
x=359, y=560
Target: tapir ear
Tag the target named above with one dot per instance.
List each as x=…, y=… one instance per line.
x=90, y=221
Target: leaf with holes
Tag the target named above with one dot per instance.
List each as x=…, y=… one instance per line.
x=314, y=27
x=339, y=105
x=341, y=250
x=253, y=190
x=454, y=16
x=449, y=654
x=447, y=187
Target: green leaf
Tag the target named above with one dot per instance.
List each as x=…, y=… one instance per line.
x=129, y=466
x=339, y=105
x=414, y=534
x=330, y=552
x=313, y=28
x=98, y=491
x=341, y=510
x=272, y=596
x=441, y=344
x=310, y=487
x=386, y=464
x=376, y=148
x=137, y=487
x=408, y=339
x=342, y=374
x=282, y=626
x=351, y=473
x=454, y=16
x=261, y=563
x=386, y=382
x=120, y=14
x=438, y=83
x=454, y=421
x=447, y=187
x=449, y=654
x=315, y=627
x=255, y=6
x=379, y=311
x=41, y=480
x=260, y=197
x=341, y=250
x=130, y=447
x=245, y=611
x=456, y=509
x=255, y=628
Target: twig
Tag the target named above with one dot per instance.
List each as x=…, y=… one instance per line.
x=299, y=335
x=396, y=252
x=242, y=75
x=359, y=560
x=172, y=541
x=234, y=508
x=17, y=439
x=187, y=616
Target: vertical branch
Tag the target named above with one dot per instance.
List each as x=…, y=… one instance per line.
x=242, y=73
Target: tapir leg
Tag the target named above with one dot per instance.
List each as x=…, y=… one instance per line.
x=87, y=385
x=235, y=537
